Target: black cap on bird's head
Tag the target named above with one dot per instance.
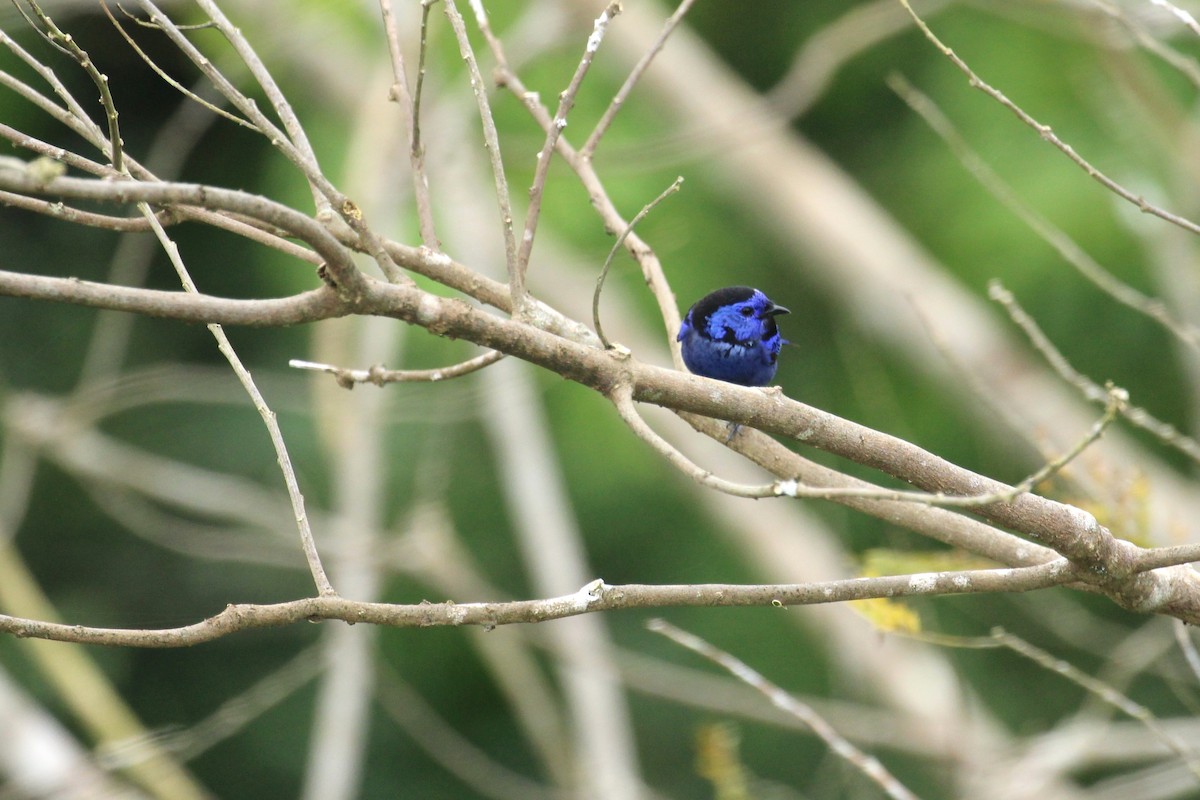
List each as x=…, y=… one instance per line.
x=705, y=306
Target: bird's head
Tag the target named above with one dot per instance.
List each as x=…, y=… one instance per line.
x=736, y=314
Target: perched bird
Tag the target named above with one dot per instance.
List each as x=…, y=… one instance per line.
x=731, y=335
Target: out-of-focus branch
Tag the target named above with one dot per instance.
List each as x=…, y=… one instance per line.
x=838, y=744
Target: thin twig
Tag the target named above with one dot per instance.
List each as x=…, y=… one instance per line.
x=418, y=92
x=1116, y=402
x=622, y=398
x=652, y=269
x=1071, y=252
x=337, y=261
x=491, y=142
x=35, y=145
x=840, y=746
x=566, y=102
x=589, y=147
x=279, y=102
x=160, y=72
x=307, y=542
x=66, y=42
x=73, y=116
x=278, y=138
x=646, y=209
x=1104, y=691
x=400, y=93
x=1188, y=647
x=1168, y=434
x=58, y=210
x=173, y=144
x=1047, y=133
x=380, y=376
x=299, y=152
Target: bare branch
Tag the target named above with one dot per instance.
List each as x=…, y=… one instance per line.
x=652, y=269
x=1071, y=252
x=66, y=42
x=306, y=156
x=594, y=597
x=622, y=398
x=1047, y=133
x=588, y=150
x=27, y=142
x=1168, y=434
x=322, y=303
x=297, y=150
x=1108, y=563
x=646, y=209
x=410, y=104
x=307, y=543
x=179, y=87
x=58, y=210
x=381, y=376
x=566, y=101
x=491, y=141
x=337, y=261
x=73, y=116
x=838, y=744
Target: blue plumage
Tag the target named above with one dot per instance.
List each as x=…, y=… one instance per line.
x=731, y=335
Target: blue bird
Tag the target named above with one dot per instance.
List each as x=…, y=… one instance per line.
x=731, y=335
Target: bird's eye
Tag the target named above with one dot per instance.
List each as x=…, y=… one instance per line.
x=747, y=311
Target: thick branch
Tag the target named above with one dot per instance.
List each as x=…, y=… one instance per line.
x=322, y=303
x=337, y=260
x=1106, y=562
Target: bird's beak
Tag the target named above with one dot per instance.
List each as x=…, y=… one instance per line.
x=774, y=310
